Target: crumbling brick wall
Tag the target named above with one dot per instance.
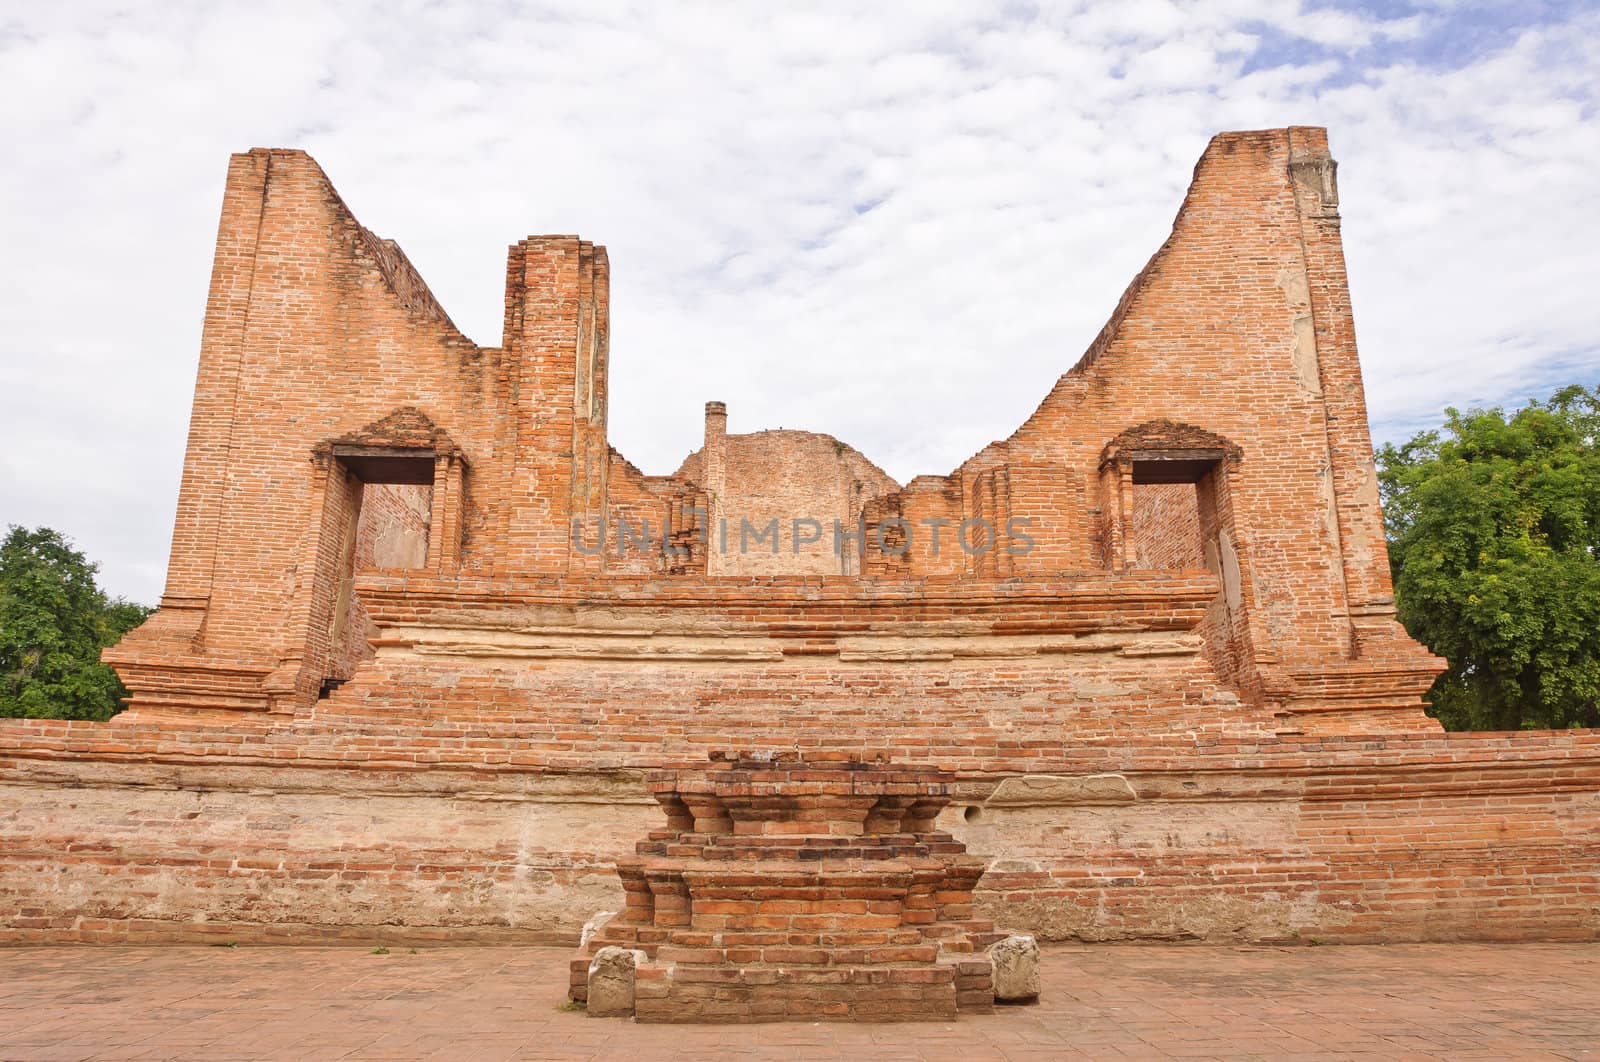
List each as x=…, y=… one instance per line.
x=783, y=502
x=137, y=834
x=652, y=524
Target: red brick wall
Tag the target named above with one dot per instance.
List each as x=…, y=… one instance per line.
x=666, y=511
x=1166, y=526
x=136, y=834
x=392, y=531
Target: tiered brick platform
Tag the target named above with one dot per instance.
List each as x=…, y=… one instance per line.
x=786, y=889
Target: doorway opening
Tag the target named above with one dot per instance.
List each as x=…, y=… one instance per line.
x=387, y=515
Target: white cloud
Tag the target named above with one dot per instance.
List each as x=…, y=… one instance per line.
x=898, y=224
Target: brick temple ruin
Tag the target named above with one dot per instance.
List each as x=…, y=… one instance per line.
x=399, y=690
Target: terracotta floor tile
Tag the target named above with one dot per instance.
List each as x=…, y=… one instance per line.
x=1455, y=1002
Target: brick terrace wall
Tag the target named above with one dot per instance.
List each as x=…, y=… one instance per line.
x=135, y=836
x=476, y=777
x=150, y=852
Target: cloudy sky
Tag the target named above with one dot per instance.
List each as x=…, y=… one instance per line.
x=894, y=222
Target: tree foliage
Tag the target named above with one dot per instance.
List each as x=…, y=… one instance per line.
x=1494, y=538
x=54, y=621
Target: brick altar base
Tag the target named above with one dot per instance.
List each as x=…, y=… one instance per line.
x=785, y=889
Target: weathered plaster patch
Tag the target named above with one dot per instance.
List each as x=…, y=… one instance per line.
x=1303, y=341
x=1039, y=789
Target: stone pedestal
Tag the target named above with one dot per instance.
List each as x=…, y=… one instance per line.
x=784, y=889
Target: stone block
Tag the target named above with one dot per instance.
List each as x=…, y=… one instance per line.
x=1016, y=969
x=611, y=976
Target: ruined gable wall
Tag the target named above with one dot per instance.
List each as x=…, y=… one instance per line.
x=314, y=329
x=1206, y=336
x=784, y=476
x=1225, y=330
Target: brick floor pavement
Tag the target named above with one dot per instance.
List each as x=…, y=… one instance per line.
x=1406, y=1001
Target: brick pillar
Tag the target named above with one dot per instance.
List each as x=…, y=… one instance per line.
x=321, y=595
x=445, y=516
x=714, y=474
x=590, y=451
x=556, y=295
x=1368, y=589
x=211, y=426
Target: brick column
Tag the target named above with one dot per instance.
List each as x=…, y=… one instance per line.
x=1368, y=589
x=714, y=476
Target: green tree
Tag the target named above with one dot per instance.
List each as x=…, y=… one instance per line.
x=1494, y=538
x=54, y=621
